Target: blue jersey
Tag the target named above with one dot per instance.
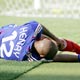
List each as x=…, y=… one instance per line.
x=16, y=41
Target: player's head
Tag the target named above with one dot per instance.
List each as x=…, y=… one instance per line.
x=46, y=48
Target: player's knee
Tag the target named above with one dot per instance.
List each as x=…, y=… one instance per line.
x=46, y=48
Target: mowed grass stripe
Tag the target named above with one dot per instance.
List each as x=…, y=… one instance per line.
x=37, y=65
x=10, y=70
x=54, y=71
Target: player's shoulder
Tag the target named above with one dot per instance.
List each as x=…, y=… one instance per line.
x=32, y=22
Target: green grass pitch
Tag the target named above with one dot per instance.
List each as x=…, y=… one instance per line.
x=65, y=28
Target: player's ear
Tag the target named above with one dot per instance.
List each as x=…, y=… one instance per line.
x=41, y=55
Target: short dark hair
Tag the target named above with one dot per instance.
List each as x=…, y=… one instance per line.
x=52, y=51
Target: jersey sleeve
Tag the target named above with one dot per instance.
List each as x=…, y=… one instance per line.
x=37, y=29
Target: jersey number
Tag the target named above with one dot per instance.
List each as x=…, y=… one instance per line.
x=3, y=47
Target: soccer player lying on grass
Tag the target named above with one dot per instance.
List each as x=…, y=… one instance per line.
x=33, y=42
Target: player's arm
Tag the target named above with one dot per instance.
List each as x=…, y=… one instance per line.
x=53, y=37
x=67, y=58
x=49, y=34
x=63, y=44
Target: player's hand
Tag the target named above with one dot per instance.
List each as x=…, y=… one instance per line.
x=61, y=44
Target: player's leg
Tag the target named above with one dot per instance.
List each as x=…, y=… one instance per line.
x=70, y=46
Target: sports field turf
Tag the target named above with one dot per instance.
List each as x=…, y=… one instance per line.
x=13, y=70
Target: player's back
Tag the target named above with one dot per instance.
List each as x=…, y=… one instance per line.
x=15, y=42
